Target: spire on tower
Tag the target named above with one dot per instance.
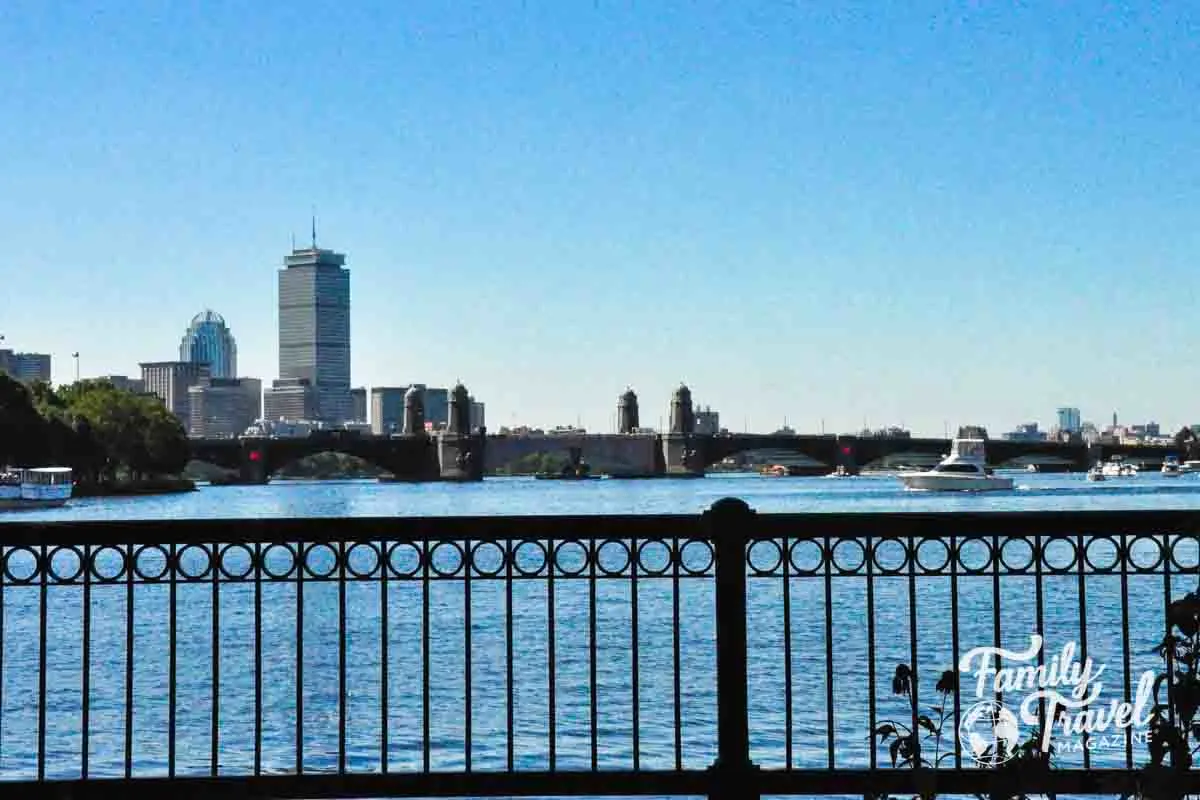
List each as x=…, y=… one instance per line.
x=314, y=230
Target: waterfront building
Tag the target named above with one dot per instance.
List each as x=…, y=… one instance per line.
x=26, y=367
x=170, y=381
x=290, y=399
x=358, y=402
x=1069, y=420
x=314, y=328
x=387, y=408
x=708, y=422
x=125, y=383
x=224, y=407
x=477, y=419
x=209, y=341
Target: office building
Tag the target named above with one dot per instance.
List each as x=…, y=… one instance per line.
x=125, y=383
x=358, y=403
x=1069, y=420
x=387, y=408
x=314, y=328
x=290, y=399
x=224, y=407
x=26, y=367
x=477, y=420
x=208, y=341
x=707, y=421
x=170, y=381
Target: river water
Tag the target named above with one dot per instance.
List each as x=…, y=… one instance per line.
x=811, y=611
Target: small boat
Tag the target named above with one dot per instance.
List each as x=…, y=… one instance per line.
x=963, y=470
x=38, y=487
x=1170, y=467
x=1117, y=468
x=1096, y=473
x=841, y=472
x=1189, y=466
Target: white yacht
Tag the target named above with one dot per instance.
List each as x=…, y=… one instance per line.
x=1190, y=466
x=1117, y=468
x=964, y=470
x=1096, y=473
x=41, y=487
x=1171, y=467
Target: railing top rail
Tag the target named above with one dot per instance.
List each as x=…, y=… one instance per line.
x=598, y=527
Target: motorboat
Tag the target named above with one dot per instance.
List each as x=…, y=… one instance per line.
x=1171, y=467
x=841, y=472
x=965, y=469
x=1096, y=473
x=37, y=487
x=1117, y=467
x=1189, y=466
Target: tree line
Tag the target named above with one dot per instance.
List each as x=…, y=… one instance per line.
x=105, y=434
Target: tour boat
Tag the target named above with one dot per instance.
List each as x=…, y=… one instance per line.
x=40, y=487
x=964, y=470
x=1170, y=467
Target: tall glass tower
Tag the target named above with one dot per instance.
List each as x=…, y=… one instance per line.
x=208, y=341
x=314, y=328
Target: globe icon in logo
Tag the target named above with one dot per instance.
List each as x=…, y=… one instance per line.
x=989, y=733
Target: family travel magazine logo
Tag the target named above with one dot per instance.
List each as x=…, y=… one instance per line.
x=1077, y=713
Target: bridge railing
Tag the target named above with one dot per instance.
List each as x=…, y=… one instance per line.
x=722, y=654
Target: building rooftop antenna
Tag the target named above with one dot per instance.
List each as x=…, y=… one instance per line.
x=314, y=229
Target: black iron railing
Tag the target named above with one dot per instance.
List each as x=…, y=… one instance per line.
x=724, y=654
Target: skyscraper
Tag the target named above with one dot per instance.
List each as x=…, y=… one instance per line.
x=314, y=328
x=208, y=341
x=1069, y=420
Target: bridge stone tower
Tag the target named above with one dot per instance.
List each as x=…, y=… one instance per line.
x=460, y=452
x=627, y=412
x=414, y=412
x=682, y=454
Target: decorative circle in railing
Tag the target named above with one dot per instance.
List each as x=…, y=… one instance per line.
x=235, y=561
x=1145, y=553
x=446, y=559
x=696, y=557
x=890, y=556
x=529, y=558
x=278, y=561
x=152, y=562
x=975, y=555
x=571, y=558
x=319, y=560
x=654, y=557
x=108, y=563
x=1185, y=553
x=933, y=556
x=22, y=564
x=362, y=559
x=488, y=559
x=764, y=556
x=1018, y=554
x=1102, y=554
x=613, y=557
x=807, y=557
x=65, y=563
x=848, y=556
x=1059, y=554
x=404, y=559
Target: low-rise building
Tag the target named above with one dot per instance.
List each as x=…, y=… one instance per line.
x=290, y=399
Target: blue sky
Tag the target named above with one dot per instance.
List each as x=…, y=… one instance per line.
x=912, y=213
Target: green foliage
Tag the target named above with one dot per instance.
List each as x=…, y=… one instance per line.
x=101, y=432
x=329, y=465
x=536, y=463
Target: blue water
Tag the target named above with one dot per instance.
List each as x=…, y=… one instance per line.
x=488, y=602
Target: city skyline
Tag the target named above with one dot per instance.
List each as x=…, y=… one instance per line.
x=933, y=216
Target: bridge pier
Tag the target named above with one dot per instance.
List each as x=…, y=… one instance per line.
x=253, y=468
x=682, y=455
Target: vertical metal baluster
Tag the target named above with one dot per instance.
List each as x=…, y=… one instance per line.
x=171, y=660
x=508, y=651
x=912, y=645
x=1083, y=648
x=467, y=654
x=3, y=569
x=301, y=559
x=787, y=658
x=1166, y=562
x=871, y=709
x=953, y=555
x=425, y=640
x=633, y=635
x=258, y=658
x=593, y=694
x=85, y=722
x=384, y=566
x=829, y=646
x=341, y=552
x=1039, y=606
x=677, y=677
x=43, y=612
x=996, y=561
x=1123, y=556
x=551, y=560
x=128, y=661
x=214, y=763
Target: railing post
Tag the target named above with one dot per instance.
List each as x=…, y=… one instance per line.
x=729, y=524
